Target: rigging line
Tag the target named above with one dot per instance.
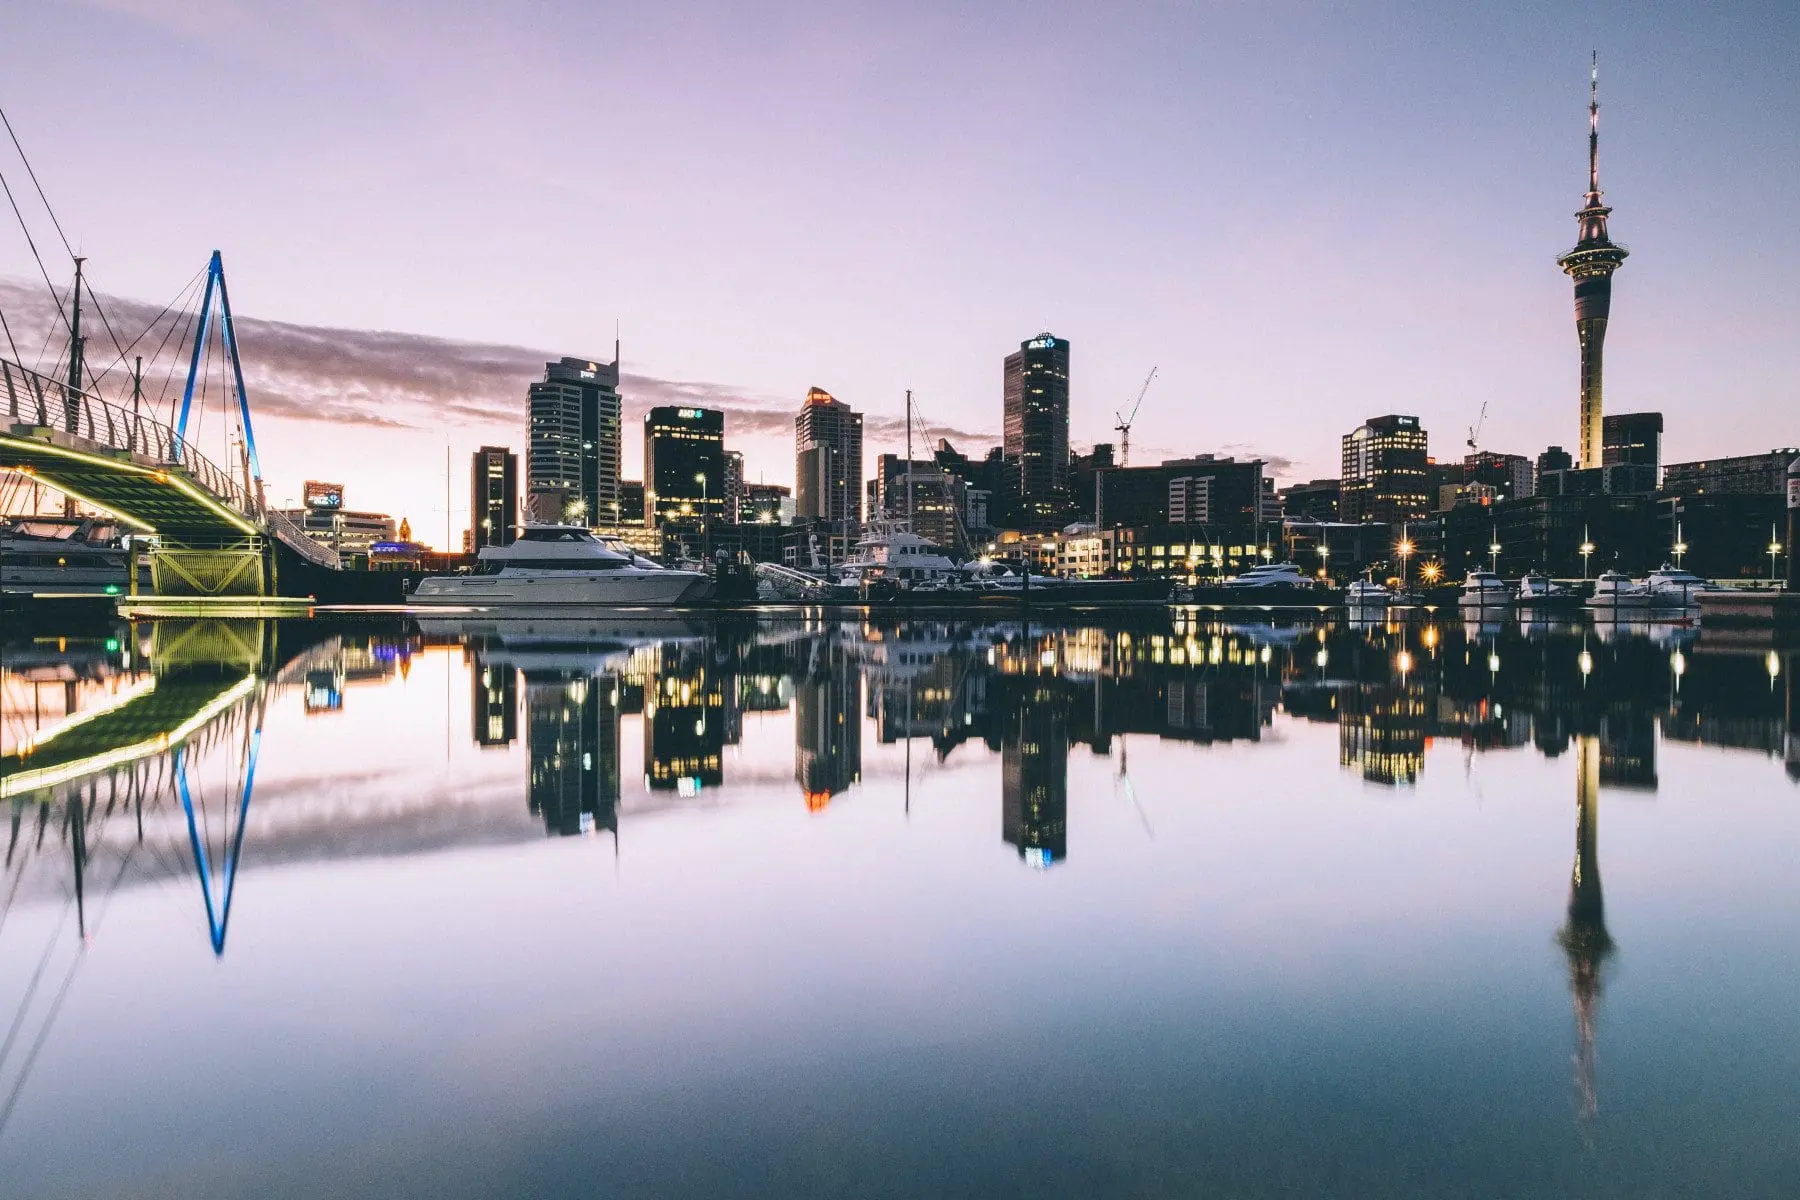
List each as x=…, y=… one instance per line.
x=30, y=241
x=45, y=200
x=9, y=338
x=174, y=361
x=150, y=328
x=106, y=324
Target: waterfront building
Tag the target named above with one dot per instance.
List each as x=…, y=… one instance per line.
x=1554, y=459
x=684, y=466
x=1747, y=473
x=734, y=486
x=631, y=502
x=939, y=499
x=325, y=520
x=828, y=460
x=1316, y=500
x=766, y=504
x=572, y=461
x=1635, y=440
x=493, y=498
x=1384, y=475
x=1035, y=395
x=1591, y=265
x=1204, y=489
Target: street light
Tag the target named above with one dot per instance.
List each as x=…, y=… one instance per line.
x=1774, y=549
x=705, y=517
x=1404, y=549
x=1494, y=554
x=1587, y=549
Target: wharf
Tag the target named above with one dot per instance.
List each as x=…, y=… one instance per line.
x=1771, y=608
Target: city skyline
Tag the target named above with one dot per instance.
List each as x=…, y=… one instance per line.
x=1695, y=104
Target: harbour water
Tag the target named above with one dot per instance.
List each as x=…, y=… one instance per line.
x=820, y=907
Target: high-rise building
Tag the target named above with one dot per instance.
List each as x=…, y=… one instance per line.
x=684, y=466
x=572, y=463
x=767, y=504
x=631, y=502
x=1499, y=476
x=1634, y=441
x=828, y=463
x=1036, y=430
x=1385, y=471
x=1313, y=501
x=494, y=497
x=734, y=486
x=1591, y=265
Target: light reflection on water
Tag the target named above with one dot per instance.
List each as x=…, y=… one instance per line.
x=658, y=905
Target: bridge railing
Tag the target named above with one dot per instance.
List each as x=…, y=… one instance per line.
x=31, y=398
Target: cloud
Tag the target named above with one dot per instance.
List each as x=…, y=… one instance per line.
x=362, y=377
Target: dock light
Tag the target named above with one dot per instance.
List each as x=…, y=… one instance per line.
x=1678, y=663
x=1404, y=661
x=1586, y=663
x=1430, y=572
x=1493, y=663
x=1430, y=637
x=1773, y=663
x=1321, y=658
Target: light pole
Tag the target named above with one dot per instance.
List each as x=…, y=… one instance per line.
x=1680, y=546
x=1405, y=549
x=1774, y=549
x=1587, y=550
x=1494, y=554
x=705, y=517
x=1324, y=558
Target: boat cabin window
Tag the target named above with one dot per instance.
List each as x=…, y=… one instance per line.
x=555, y=534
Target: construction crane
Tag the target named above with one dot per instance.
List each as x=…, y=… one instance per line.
x=1124, y=421
x=1475, y=429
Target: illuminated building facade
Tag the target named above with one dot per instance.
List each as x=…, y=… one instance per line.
x=572, y=461
x=684, y=466
x=1035, y=435
x=494, y=696
x=734, y=486
x=828, y=460
x=1384, y=477
x=1591, y=265
x=684, y=723
x=493, y=497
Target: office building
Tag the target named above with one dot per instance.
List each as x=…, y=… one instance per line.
x=1316, y=500
x=939, y=499
x=1204, y=489
x=493, y=497
x=572, y=462
x=1591, y=265
x=325, y=520
x=734, y=486
x=631, y=502
x=1749, y=473
x=684, y=467
x=1499, y=476
x=1634, y=440
x=766, y=504
x=1036, y=427
x=828, y=464
x=1385, y=472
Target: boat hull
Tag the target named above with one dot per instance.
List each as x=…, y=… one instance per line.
x=610, y=589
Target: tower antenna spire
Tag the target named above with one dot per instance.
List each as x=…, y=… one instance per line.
x=1594, y=126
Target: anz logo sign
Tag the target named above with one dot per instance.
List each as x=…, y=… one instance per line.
x=1044, y=342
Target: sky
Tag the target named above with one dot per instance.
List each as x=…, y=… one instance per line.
x=1301, y=214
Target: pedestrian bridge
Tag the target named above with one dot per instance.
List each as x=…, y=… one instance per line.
x=209, y=533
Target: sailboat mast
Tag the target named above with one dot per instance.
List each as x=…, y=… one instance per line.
x=909, y=465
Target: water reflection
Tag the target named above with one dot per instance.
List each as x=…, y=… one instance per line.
x=131, y=757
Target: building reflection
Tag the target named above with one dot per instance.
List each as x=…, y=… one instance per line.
x=685, y=721
x=1034, y=775
x=827, y=722
x=494, y=701
x=572, y=735
x=1584, y=938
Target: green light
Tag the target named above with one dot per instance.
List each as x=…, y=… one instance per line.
x=112, y=644
x=112, y=589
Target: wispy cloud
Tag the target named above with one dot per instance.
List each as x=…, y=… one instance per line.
x=363, y=377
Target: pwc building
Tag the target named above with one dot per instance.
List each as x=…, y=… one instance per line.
x=572, y=464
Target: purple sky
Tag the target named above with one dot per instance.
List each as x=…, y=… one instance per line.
x=1303, y=214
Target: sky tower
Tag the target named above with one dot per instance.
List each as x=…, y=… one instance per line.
x=1591, y=265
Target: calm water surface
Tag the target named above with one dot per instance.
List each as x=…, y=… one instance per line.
x=783, y=908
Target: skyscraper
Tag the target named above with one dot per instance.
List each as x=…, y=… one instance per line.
x=1036, y=431
x=684, y=466
x=572, y=464
x=734, y=486
x=494, y=497
x=1591, y=265
x=828, y=465
x=1384, y=474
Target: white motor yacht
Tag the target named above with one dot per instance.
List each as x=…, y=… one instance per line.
x=1367, y=594
x=562, y=566
x=1672, y=587
x=1616, y=594
x=1271, y=575
x=892, y=552
x=1484, y=589
x=1539, y=593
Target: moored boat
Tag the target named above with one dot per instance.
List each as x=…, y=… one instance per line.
x=561, y=566
x=1484, y=590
